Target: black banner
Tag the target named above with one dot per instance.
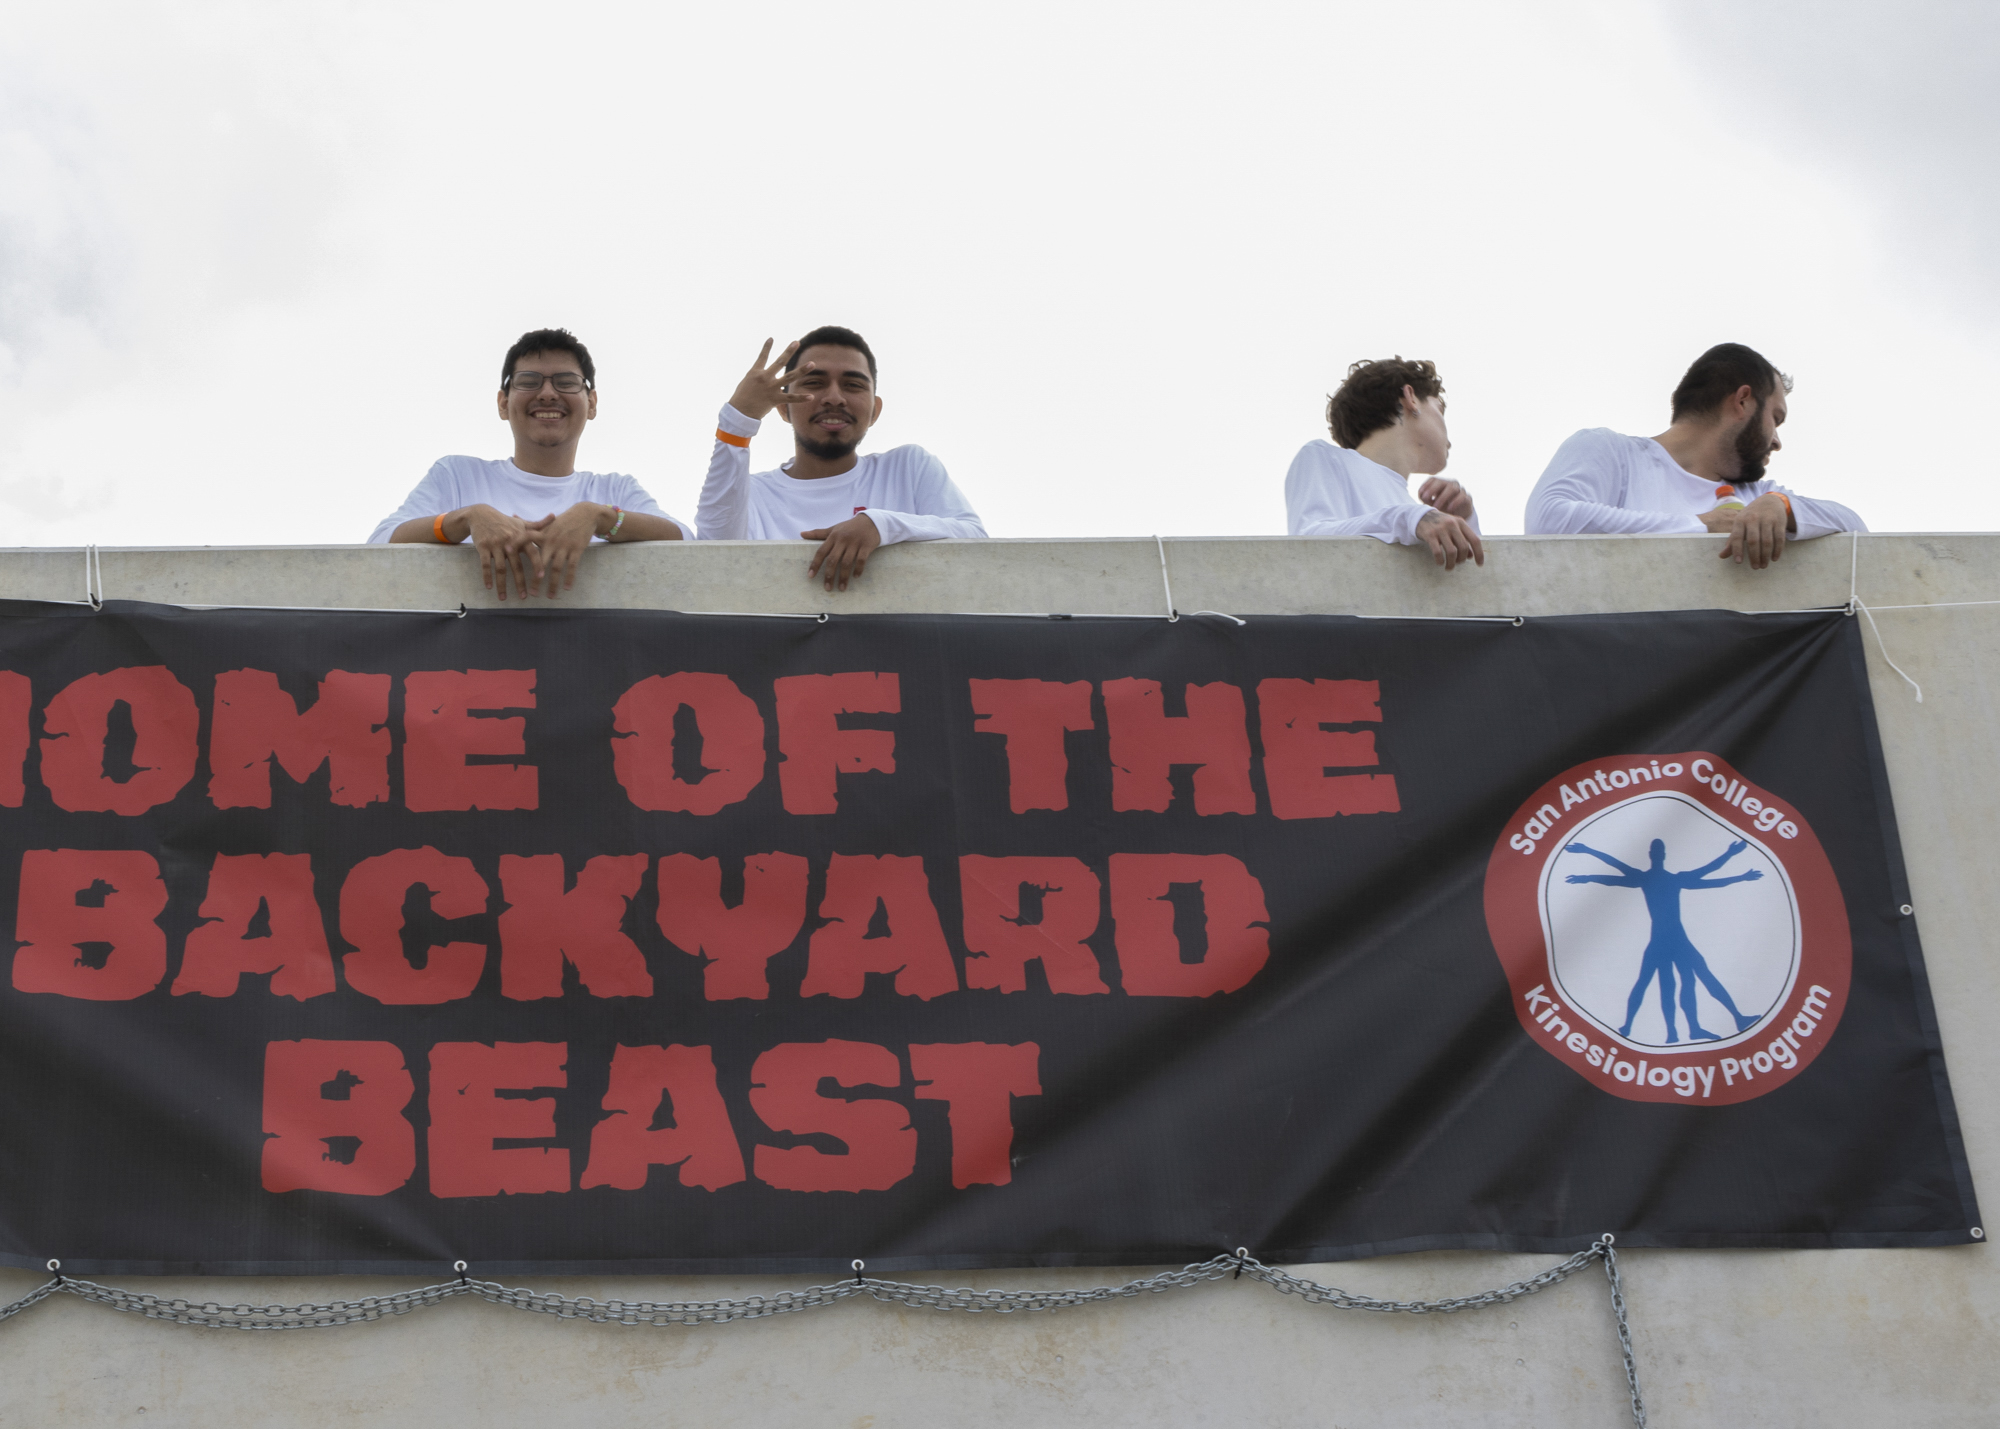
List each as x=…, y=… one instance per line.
x=585, y=940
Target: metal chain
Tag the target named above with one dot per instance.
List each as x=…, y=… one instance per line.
x=214, y=1315
x=1624, y=1331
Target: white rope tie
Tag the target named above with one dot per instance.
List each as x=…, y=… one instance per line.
x=1168, y=585
x=1854, y=603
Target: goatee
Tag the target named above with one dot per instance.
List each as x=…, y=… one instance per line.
x=825, y=451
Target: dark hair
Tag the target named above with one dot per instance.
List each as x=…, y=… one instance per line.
x=1719, y=372
x=1372, y=397
x=835, y=337
x=549, y=339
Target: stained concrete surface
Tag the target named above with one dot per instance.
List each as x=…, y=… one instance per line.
x=1723, y=1338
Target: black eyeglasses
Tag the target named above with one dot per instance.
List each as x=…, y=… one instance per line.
x=532, y=382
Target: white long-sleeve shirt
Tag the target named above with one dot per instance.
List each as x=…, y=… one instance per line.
x=459, y=481
x=1332, y=491
x=905, y=491
x=1603, y=483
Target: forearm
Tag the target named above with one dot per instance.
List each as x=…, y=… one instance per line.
x=1553, y=513
x=723, y=513
x=1821, y=518
x=639, y=526
x=457, y=525
x=1396, y=525
x=897, y=526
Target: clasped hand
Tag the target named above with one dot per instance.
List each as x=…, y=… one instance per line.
x=539, y=556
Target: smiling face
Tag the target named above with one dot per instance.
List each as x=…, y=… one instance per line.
x=834, y=404
x=545, y=417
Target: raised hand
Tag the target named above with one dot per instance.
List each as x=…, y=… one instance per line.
x=763, y=387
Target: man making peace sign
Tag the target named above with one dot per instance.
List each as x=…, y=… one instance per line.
x=829, y=492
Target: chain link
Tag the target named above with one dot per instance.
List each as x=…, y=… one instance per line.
x=214, y=1315
x=1624, y=1331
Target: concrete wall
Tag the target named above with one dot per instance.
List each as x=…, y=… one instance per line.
x=1740, y=1338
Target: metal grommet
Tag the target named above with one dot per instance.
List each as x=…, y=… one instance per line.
x=1520, y=620
x=1908, y=910
x=824, y=617
x=1977, y=1234
x=859, y=1266
x=1608, y=1238
x=54, y=1266
x=459, y=1266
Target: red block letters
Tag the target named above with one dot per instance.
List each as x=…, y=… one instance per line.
x=739, y=941
x=623, y=1147
x=732, y=742
x=880, y=1144
x=1000, y=945
x=977, y=1082
x=468, y=1115
x=294, y=951
x=1298, y=751
x=1146, y=743
x=813, y=746
x=74, y=901
x=164, y=719
x=333, y=1118
x=842, y=953
x=371, y=918
x=440, y=730
x=1033, y=716
x=1149, y=954
x=543, y=926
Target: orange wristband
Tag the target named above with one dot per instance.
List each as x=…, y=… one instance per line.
x=437, y=530
x=731, y=438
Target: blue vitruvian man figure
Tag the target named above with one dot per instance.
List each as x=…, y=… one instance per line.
x=1669, y=952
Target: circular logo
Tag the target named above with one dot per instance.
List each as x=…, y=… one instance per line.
x=1669, y=930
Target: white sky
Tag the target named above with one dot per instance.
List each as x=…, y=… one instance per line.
x=259, y=263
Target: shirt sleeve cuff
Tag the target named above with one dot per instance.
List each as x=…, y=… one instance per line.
x=736, y=424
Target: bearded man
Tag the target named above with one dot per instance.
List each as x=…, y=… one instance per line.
x=831, y=492
x=1704, y=473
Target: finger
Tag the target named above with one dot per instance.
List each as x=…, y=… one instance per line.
x=486, y=567
x=819, y=558
x=762, y=353
x=1478, y=548
x=820, y=535
x=783, y=358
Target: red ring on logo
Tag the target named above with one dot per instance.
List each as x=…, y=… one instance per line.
x=1719, y=1076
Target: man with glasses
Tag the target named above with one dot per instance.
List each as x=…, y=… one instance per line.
x=532, y=518
x=823, y=387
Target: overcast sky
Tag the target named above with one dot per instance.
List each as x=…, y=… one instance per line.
x=258, y=263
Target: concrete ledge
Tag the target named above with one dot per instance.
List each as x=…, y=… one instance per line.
x=1273, y=575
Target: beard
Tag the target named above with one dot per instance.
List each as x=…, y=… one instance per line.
x=825, y=450
x=1752, y=450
